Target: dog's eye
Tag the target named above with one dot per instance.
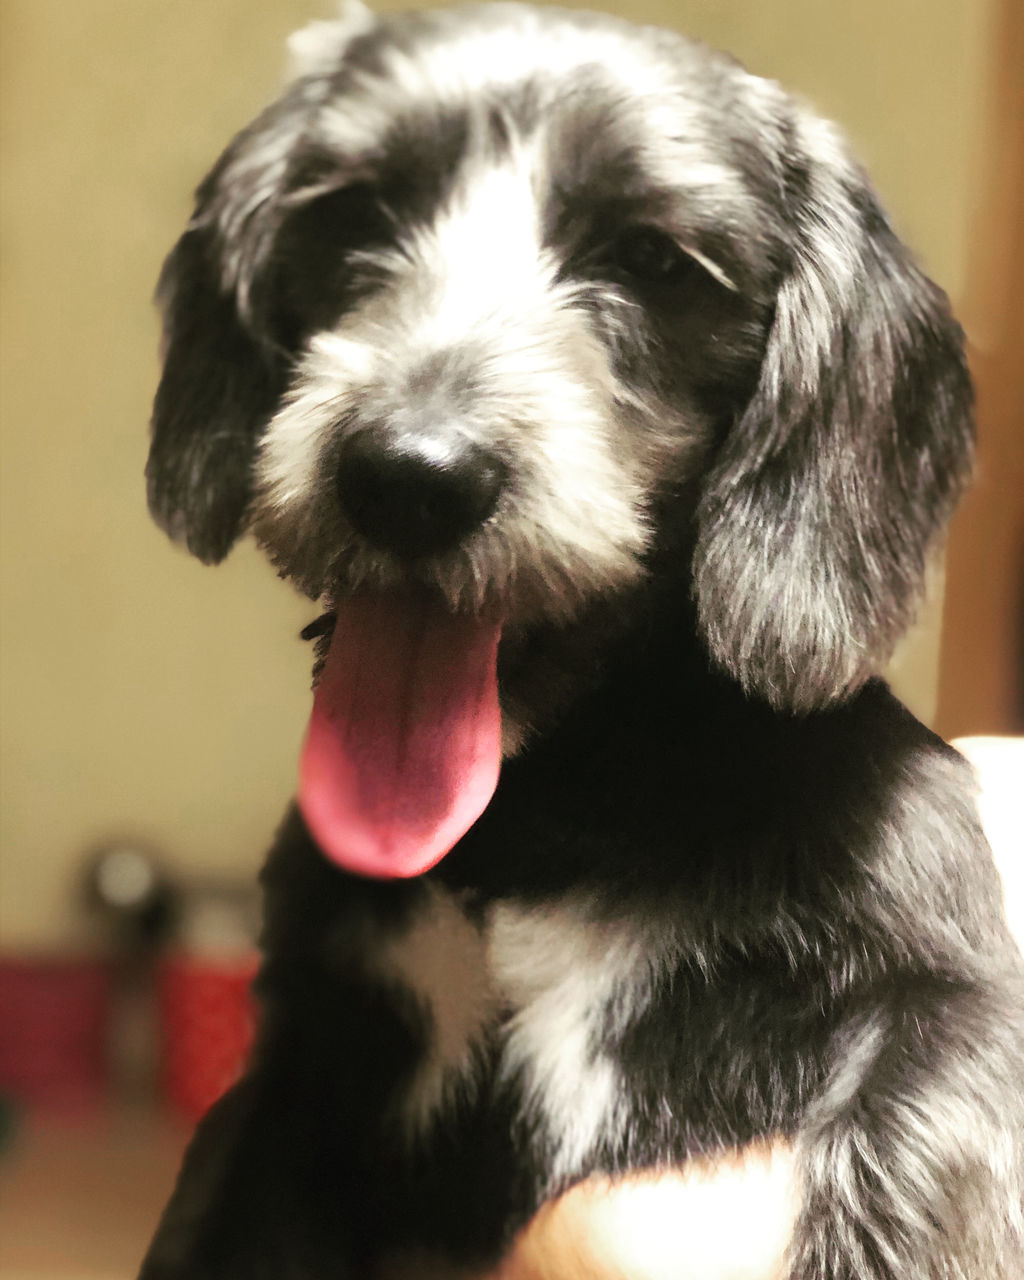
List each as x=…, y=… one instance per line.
x=352, y=217
x=651, y=256
x=311, y=279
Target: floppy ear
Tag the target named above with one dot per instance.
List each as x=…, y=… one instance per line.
x=217, y=390
x=818, y=513
x=222, y=377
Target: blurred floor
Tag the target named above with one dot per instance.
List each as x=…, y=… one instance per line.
x=80, y=1197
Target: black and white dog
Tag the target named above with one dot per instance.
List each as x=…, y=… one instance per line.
x=580, y=375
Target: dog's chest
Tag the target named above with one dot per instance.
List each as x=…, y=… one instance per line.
x=527, y=998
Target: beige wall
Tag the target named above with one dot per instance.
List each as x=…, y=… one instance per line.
x=143, y=693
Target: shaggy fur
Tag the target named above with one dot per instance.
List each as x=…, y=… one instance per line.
x=728, y=889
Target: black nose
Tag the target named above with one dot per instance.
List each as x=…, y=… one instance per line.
x=417, y=494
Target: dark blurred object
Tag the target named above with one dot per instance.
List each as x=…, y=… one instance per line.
x=54, y=1024
x=206, y=1009
x=126, y=886
x=8, y=1122
x=136, y=902
x=166, y=1014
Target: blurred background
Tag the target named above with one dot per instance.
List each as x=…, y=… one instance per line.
x=152, y=709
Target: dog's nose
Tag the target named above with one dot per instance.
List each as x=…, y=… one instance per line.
x=417, y=494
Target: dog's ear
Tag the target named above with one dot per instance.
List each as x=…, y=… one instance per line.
x=216, y=391
x=222, y=376
x=819, y=511
x=221, y=379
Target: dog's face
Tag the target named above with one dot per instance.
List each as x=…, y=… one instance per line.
x=503, y=301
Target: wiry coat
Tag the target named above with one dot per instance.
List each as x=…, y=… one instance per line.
x=728, y=888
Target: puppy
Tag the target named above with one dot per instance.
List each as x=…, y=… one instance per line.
x=581, y=377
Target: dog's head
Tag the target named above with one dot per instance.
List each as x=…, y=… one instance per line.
x=501, y=301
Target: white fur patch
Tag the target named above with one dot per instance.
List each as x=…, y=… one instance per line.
x=536, y=48
x=545, y=984
x=334, y=367
x=317, y=47
x=481, y=259
x=442, y=962
x=567, y=973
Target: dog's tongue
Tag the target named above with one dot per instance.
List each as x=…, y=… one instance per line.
x=404, y=745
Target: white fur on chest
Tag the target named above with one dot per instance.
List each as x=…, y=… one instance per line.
x=544, y=984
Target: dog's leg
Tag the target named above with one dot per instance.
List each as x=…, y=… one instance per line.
x=295, y=1175
x=911, y=1161
x=243, y=1207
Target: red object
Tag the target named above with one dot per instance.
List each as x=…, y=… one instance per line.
x=207, y=1017
x=54, y=1029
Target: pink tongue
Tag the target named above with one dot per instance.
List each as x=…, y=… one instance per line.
x=404, y=745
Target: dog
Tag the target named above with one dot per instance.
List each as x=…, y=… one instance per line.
x=579, y=375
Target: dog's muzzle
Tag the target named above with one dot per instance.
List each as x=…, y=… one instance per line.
x=416, y=491
x=404, y=743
